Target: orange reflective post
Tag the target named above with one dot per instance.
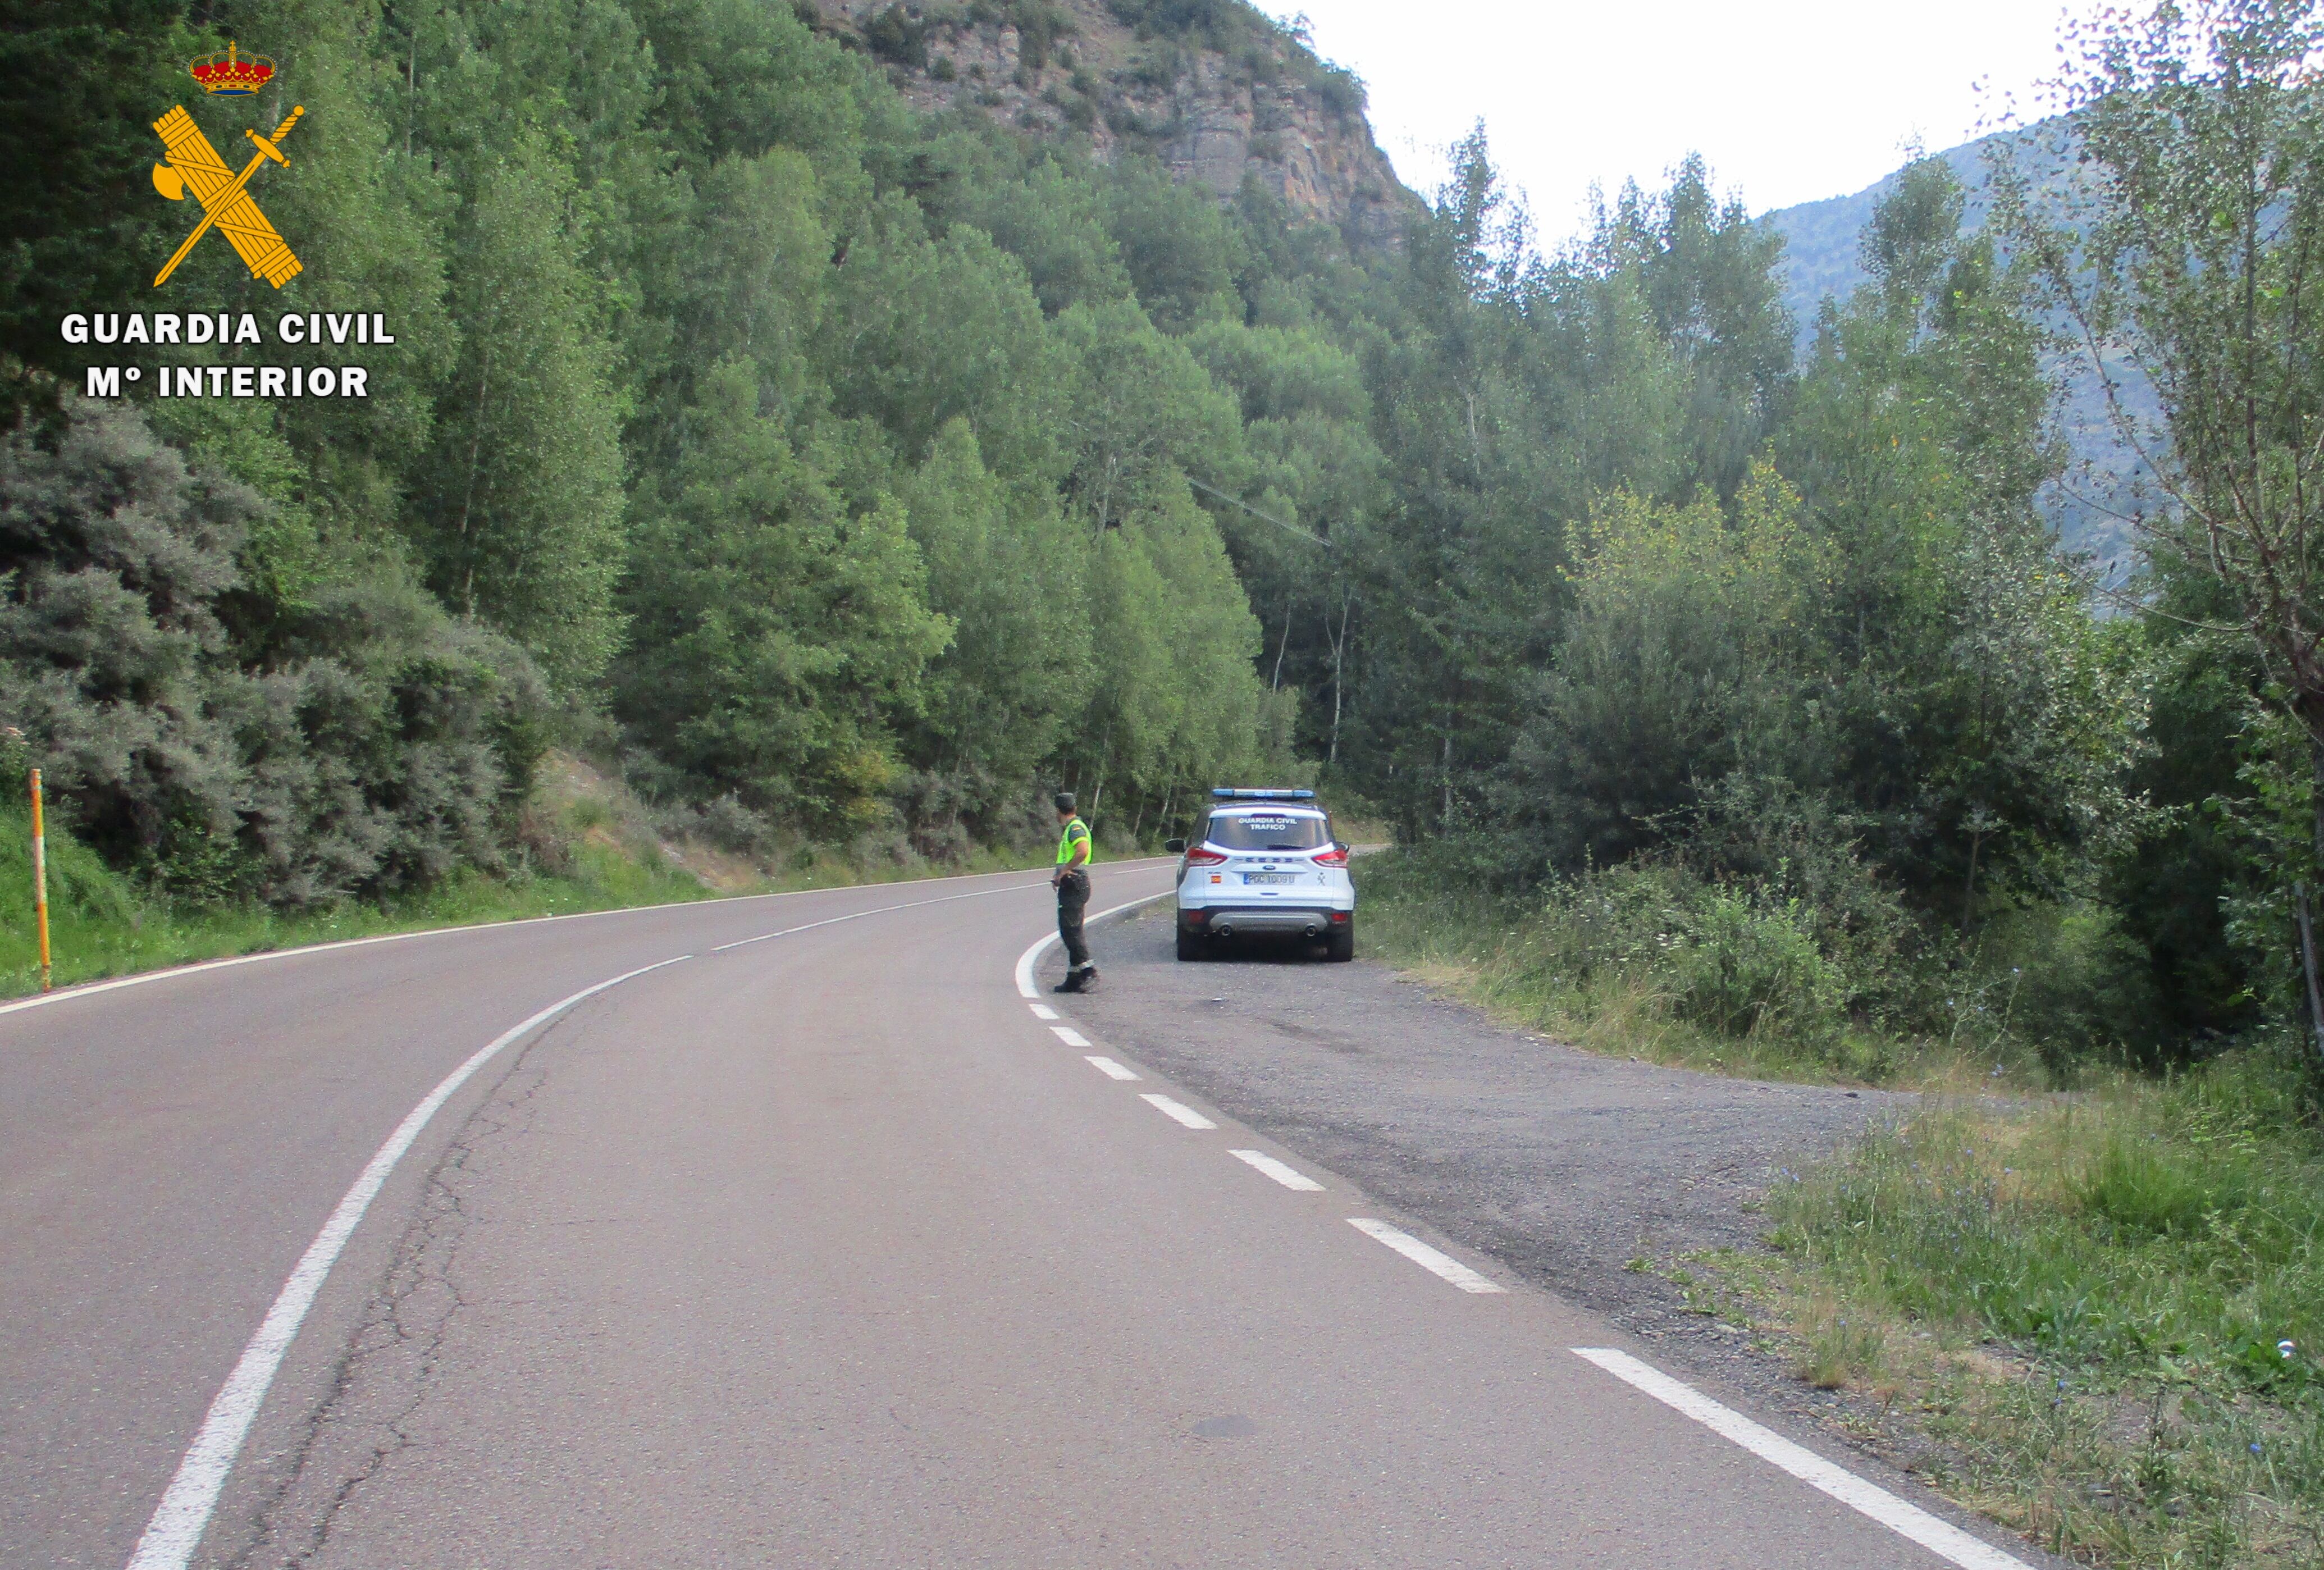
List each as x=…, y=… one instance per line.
x=40, y=879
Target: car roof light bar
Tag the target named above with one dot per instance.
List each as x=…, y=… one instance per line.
x=1236, y=793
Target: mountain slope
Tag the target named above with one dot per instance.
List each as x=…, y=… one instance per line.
x=1220, y=94
x=2104, y=480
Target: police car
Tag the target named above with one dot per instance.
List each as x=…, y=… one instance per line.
x=1264, y=863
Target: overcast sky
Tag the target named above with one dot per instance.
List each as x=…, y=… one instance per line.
x=1791, y=100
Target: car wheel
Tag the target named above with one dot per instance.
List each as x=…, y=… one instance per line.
x=1342, y=944
x=1190, y=945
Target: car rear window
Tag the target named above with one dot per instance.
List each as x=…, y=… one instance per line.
x=1250, y=831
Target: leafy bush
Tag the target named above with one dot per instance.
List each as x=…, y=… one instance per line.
x=893, y=36
x=1742, y=962
x=1732, y=958
x=1342, y=91
x=373, y=743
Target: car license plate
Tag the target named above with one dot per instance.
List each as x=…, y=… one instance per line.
x=1270, y=877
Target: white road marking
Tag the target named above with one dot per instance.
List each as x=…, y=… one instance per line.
x=875, y=910
x=1110, y=1068
x=1174, y=1110
x=91, y=989
x=1069, y=1036
x=1043, y=1011
x=1426, y=1257
x=1939, y=1537
x=1025, y=987
x=1289, y=1176
x=176, y=1528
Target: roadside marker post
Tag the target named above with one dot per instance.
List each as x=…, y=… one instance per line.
x=40, y=880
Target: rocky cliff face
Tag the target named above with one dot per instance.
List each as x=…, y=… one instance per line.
x=1216, y=90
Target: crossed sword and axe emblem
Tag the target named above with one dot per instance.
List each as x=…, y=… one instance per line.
x=194, y=165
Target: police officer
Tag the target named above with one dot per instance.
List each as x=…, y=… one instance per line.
x=1071, y=880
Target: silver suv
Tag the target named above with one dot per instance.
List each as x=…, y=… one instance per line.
x=1264, y=862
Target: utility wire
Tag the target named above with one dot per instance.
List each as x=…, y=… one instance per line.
x=1212, y=490
x=1246, y=506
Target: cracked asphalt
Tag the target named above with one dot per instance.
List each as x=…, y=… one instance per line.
x=822, y=1248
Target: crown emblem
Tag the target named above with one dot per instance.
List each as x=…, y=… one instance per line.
x=232, y=72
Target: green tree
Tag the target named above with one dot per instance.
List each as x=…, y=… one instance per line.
x=1686, y=658
x=922, y=332
x=1012, y=575
x=774, y=633
x=1144, y=413
x=522, y=519
x=2190, y=255
x=1055, y=223
x=1181, y=251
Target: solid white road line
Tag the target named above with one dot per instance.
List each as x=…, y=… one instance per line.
x=1426, y=1257
x=1069, y=1036
x=876, y=910
x=1177, y=1113
x=1043, y=1011
x=91, y=989
x=176, y=1528
x=1939, y=1537
x=1289, y=1176
x=1025, y=987
x=1110, y=1068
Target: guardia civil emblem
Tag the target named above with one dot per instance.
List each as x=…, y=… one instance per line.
x=194, y=165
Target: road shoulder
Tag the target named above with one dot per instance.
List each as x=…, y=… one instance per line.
x=1595, y=1178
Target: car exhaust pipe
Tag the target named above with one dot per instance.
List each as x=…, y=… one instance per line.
x=1224, y=929
x=1314, y=931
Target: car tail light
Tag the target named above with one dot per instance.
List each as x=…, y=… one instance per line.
x=1203, y=855
x=1330, y=855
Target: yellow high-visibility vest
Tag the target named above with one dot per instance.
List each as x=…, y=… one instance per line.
x=1076, y=829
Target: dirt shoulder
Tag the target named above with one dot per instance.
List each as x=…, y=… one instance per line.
x=1564, y=1165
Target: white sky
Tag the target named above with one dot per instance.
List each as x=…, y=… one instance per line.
x=1790, y=100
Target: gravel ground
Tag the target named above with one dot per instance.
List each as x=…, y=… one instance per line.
x=1562, y=1165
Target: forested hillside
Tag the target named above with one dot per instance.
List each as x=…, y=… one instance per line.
x=843, y=454
x=2104, y=482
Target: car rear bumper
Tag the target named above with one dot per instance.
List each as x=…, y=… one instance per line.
x=1230, y=920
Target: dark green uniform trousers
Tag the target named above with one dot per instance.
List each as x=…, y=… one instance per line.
x=1073, y=904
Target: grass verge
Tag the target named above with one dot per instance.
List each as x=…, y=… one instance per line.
x=2102, y=1313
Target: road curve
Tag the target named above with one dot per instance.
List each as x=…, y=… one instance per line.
x=822, y=1249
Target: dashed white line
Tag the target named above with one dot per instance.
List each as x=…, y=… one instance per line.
x=176, y=1528
x=1177, y=1113
x=1069, y=1036
x=1426, y=1257
x=1110, y=1068
x=1288, y=1175
x=1043, y=1011
x=1939, y=1537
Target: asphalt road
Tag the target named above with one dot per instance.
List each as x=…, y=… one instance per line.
x=823, y=1250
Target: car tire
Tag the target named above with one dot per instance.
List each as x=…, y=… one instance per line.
x=1340, y=945
x=1190, y=945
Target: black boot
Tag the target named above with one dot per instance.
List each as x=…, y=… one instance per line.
x=1089, y=979
x=1072, y=983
